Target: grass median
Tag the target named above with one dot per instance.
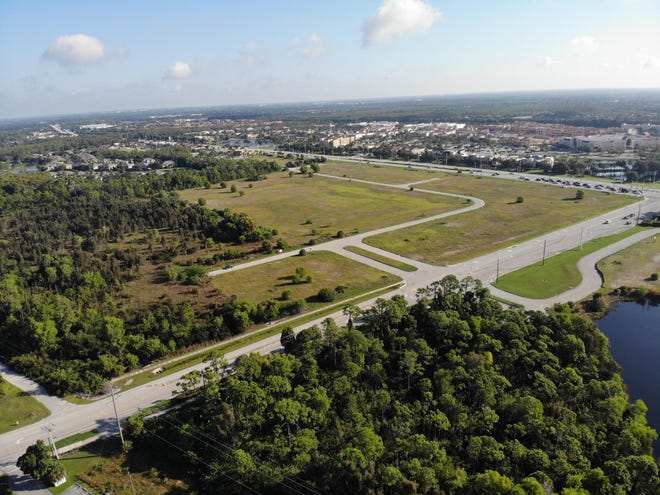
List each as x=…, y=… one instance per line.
x=381, y=259
x=558, y=273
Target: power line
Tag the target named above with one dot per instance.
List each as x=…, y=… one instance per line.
x=299, y=483
x=205, y=463
x=228, y=448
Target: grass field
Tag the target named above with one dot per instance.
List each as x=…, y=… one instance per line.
x=268, y=281
x=377, y=173
x=633, y=266
x=558, y=274
x=18, y=409
x=303, y=208
x=501, y=222
x=381, y=259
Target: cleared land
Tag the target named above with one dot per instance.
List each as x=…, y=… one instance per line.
x=501, y=222
x=558, y=274
x=633, y=266
x=303, y=208
x=268, y=281
x=18, y=409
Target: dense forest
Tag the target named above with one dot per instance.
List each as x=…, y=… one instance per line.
x=453, y=395
x=69, y=245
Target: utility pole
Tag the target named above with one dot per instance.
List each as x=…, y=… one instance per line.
x=114, y=406
x=639, y=213
x=497, y=275
x=49, y=429
x=581, y=232
x=543, y=259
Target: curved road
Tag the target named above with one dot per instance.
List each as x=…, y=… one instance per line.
x=67, y=419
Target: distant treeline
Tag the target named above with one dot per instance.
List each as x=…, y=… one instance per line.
x=594, y=108
x=582, y=108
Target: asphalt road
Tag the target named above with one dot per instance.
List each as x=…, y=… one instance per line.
x=67, y=419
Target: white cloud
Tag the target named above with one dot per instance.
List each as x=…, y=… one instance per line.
x=396, y=18
x=76, y=49
x=178, y=70
x=251, y=54
x=309, y=48
x=584, y=45
x=651, y=63
x=547, y=61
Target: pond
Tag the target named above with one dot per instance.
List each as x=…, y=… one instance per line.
x=634, y=333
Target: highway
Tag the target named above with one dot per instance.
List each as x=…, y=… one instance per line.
x=66, y=419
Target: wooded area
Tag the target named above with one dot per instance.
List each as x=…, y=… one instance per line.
x=68, y=246
x=454, y=395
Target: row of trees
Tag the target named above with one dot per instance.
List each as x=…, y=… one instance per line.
x=454, y=395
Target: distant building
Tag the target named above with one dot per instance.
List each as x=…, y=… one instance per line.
x=337, y=142
x=610, y=142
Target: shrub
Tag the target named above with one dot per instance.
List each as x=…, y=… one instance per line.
x=520, y=199
x=326, y=295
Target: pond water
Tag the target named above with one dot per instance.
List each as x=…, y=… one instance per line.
x=634, y=333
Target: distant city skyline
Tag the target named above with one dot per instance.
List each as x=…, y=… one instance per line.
x=71, y=56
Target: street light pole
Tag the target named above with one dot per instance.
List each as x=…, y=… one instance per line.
x=543, y=259
x=49, y=429
x=497, y=276
x=581, y=232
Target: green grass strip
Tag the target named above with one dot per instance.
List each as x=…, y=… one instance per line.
x=558, y=274
x=381, y=259
x=78, y=437
x=18, y=409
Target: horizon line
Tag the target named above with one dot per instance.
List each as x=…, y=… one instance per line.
x=6, y=120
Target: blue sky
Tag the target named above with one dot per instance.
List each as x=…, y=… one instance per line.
x=60, y=57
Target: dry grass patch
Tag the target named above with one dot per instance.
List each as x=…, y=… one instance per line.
x=633, y=266
x=304, y=209
x=263, y=282
x=501, y=222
